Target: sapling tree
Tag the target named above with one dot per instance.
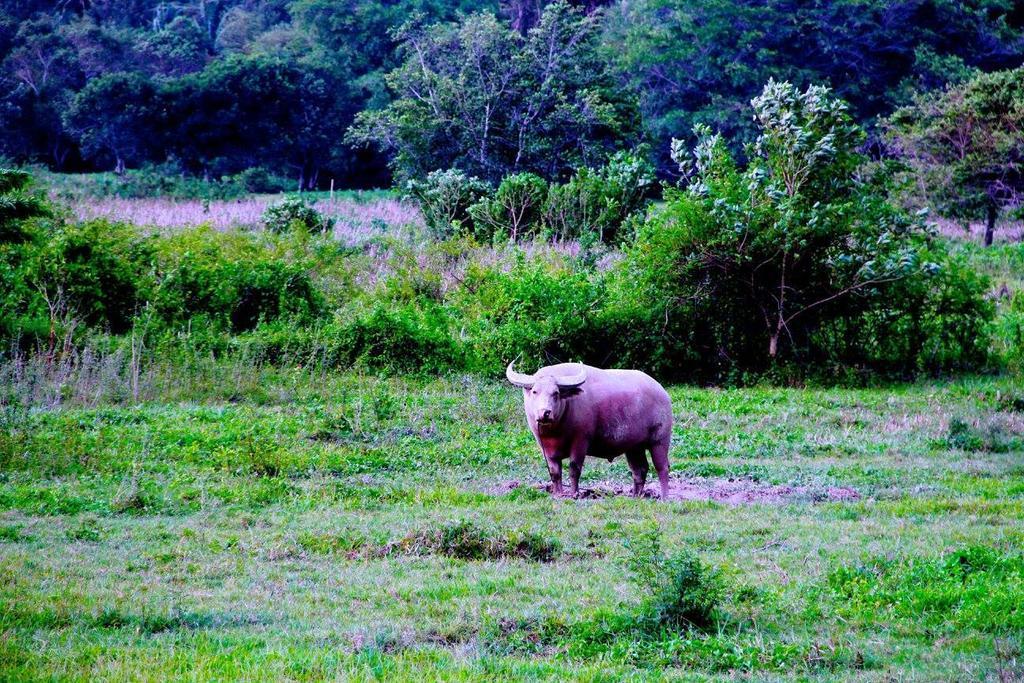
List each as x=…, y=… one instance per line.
x=798, y=231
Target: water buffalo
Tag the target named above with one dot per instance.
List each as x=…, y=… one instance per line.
x=575, y=410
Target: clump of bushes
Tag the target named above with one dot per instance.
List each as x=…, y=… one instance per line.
x=295, y=213
x=513, y=211
x=230, y=280
x=682, y=592
x=593, y=203
x=399, y=339
x=991, y=435
x=536, y=311
x=445, y=198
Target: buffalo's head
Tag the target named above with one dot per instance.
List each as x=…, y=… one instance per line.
x=544, y=397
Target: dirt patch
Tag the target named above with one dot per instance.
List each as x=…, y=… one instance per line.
x=728, y=491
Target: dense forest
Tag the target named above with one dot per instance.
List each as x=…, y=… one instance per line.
x=362, y=92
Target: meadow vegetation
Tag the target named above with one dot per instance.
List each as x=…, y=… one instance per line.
x=296, y=523
x=247, y=433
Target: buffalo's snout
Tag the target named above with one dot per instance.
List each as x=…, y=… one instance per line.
x=545, y=415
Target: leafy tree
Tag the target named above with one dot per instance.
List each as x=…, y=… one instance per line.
x=965, y=146
x=17, y=205
x=480, y=97
x=111, y=116
x=701, y=62
x=784, y=244
x=40, y=76
x=250, y=111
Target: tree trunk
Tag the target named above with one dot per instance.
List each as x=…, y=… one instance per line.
x=119, y=166
x=773, y=345
x=990, y=224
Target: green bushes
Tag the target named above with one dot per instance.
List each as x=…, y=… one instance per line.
x=599, y=202
x=514, y=211
x=230, y=280
x=396, y=340
x=537, y=312
x=445, y=198
x=99, y=272
x=593, y=203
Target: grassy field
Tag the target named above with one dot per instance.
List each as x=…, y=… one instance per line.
x=296, y=526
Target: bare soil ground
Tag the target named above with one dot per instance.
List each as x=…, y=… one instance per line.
x=728, y=491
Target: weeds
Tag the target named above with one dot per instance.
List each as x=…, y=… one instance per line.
x=682, y=592
x=468, y=541
x=992, y=434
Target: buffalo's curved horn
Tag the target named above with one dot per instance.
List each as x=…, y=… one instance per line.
x=570, y=381
x=518, y=378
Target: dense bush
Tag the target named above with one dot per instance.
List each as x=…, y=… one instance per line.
x=295, y=213
x=538, y=312
x=19, y=237
x=230, y=280
x=97, y=272
x=593, y=203
x=261, y=181
x=396, y=339
x=599, y=202
x=788, y=260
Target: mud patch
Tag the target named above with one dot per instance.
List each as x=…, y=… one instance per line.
x=727, y=491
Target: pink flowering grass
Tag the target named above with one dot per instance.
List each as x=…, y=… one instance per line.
x=1006, y=231
x=356, y=221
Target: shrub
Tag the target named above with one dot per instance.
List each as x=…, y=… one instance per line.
x=20, y=307
x=514, y=211
x=682, y=592
x=599, y=202
x=231, y=280
x=396, y=339
x=100, y=272
x=445, y=198
x=294, y=213
x=796, y=262
x=536, y=312
x=259, y=180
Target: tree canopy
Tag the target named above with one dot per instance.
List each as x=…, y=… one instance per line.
x=489, y=86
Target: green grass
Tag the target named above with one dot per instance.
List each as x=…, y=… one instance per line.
x=347, y=527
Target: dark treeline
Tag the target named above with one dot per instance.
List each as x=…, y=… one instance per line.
x=214, y=87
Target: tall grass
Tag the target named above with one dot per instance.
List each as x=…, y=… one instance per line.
x=356, y=221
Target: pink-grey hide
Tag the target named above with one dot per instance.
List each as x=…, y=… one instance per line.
x=576, y=410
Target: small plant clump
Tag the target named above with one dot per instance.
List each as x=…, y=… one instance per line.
x=989, y=435
x=294, y=213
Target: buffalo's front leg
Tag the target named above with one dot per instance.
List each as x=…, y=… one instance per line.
x=576, y=458
x=555, y=470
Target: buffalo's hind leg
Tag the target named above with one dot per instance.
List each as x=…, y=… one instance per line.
x=659, y=456
x=637, y=459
